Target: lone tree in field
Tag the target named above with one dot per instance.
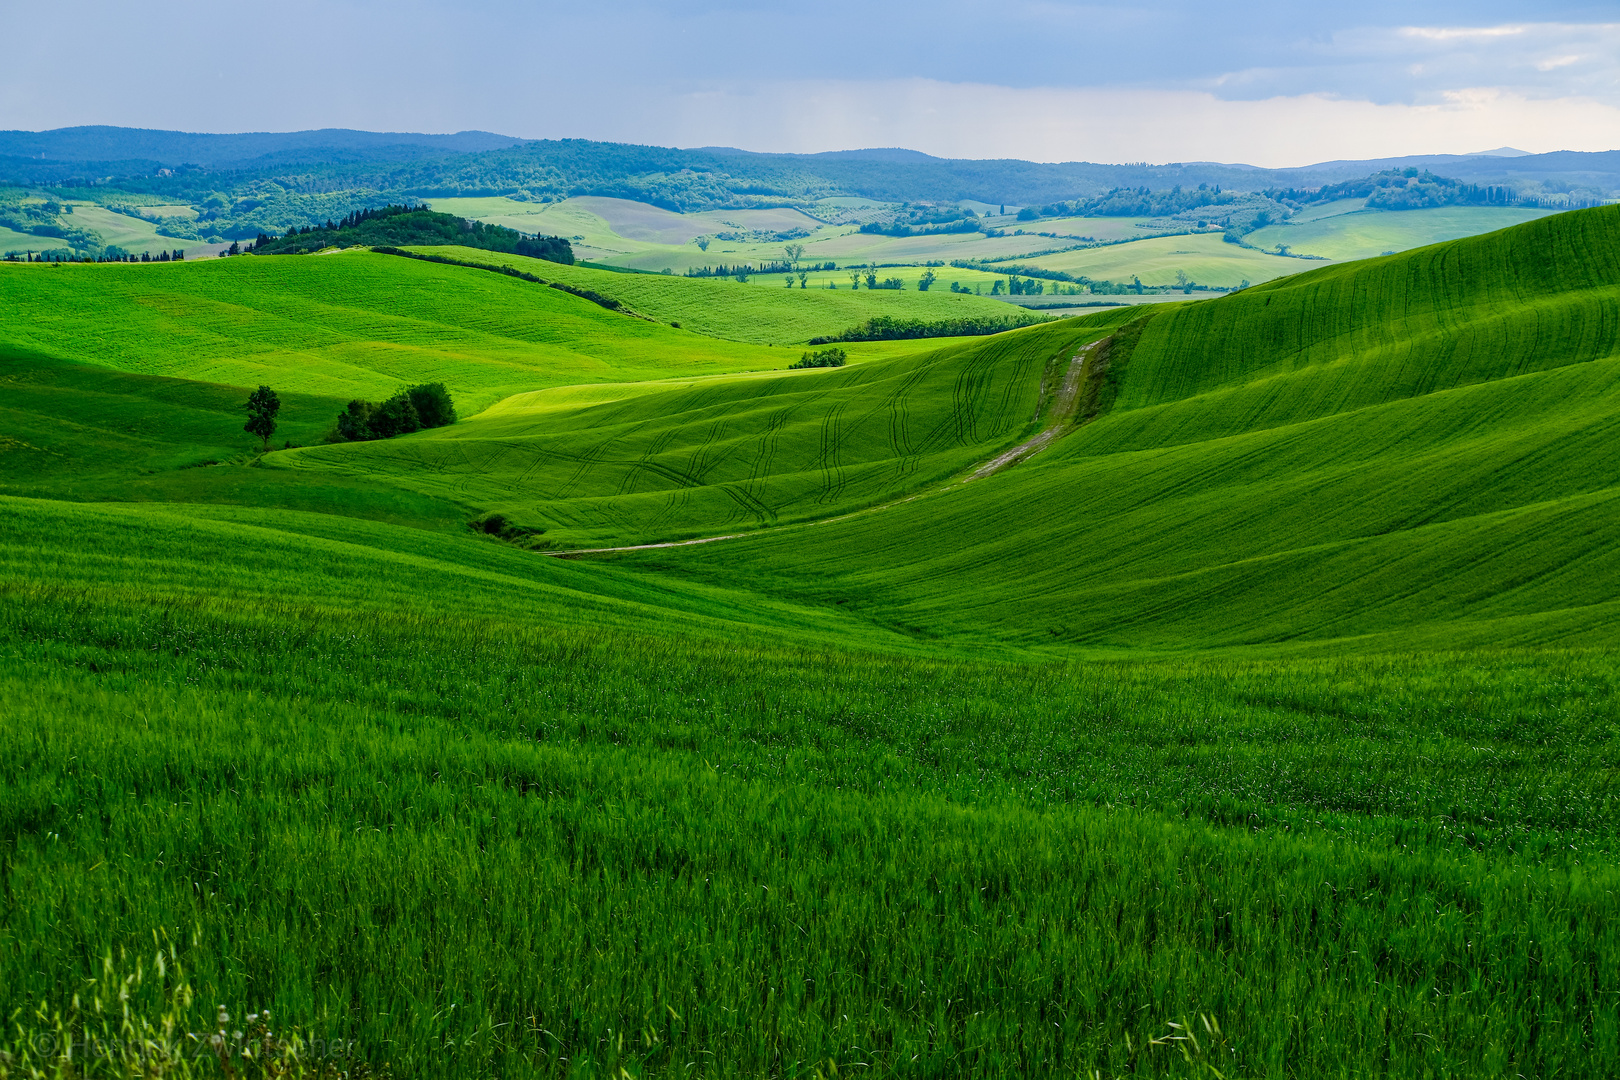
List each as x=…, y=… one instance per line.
x=262, y=406
x=795, y=252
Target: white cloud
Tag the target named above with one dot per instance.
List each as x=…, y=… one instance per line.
x=1421, y=63
x=967, y=120
x=1461, y=33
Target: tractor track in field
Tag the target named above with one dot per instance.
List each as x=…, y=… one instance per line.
x=832, y=474
x=1060, y=419
x=653, y=450
x=900, y=421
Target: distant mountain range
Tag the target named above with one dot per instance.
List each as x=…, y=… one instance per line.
x=373, y=164
x=172, y=148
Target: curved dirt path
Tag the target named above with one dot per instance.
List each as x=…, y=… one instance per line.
x=1059, y=420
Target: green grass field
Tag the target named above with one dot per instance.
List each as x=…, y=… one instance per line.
x=1277, y=693
x=1373, y=451
x=348, y=325
x=13, y=241
x=1357, y=233
x=727, y=453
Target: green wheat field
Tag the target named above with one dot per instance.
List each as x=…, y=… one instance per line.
x=1256, y=719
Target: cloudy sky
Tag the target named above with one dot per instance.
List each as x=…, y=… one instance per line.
x=1266, y=82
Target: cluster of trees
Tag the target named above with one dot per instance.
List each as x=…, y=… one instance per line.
x=1017, y=286
x=821, y=358
x=398, y=225
x=872, y=282
x=1135, y=202
x=412, y=409
x=891, y=228
x=926, y=220
x=1399, y=189
x=889, y=328
x=1414, y=189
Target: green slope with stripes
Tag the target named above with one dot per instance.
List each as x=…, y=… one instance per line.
x=1416, y=449
x=1278, y=688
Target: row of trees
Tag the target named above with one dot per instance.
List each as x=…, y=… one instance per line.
x=1134, y=202
x=743, y=271
x=872, y=282
x=113, y=254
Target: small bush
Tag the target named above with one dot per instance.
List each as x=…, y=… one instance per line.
x=502, y=527
x=821, y=358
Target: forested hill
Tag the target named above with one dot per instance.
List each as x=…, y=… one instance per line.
x=253, y=149
x=191, y=168
x=396, y=226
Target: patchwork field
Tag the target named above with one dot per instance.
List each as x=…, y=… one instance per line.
x=135, y=234
x=725, y=308
x=1357, y=233
x=1266, y=688
x=635, y=235
x=1204, y=258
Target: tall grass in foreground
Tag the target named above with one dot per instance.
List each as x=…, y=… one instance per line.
x=478, y=847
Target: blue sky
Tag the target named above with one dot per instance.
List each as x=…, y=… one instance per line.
x=1265, y=82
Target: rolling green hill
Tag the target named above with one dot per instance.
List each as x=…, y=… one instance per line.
x=346, y=325
x=723, y=308
x=1273, y=695
x=1410, y=450
x=727, y=453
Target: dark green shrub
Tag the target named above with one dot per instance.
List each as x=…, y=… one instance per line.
x=412, y=409
x=433, y=405
x=354, y=423
x=396, y=416
x=821, y=358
